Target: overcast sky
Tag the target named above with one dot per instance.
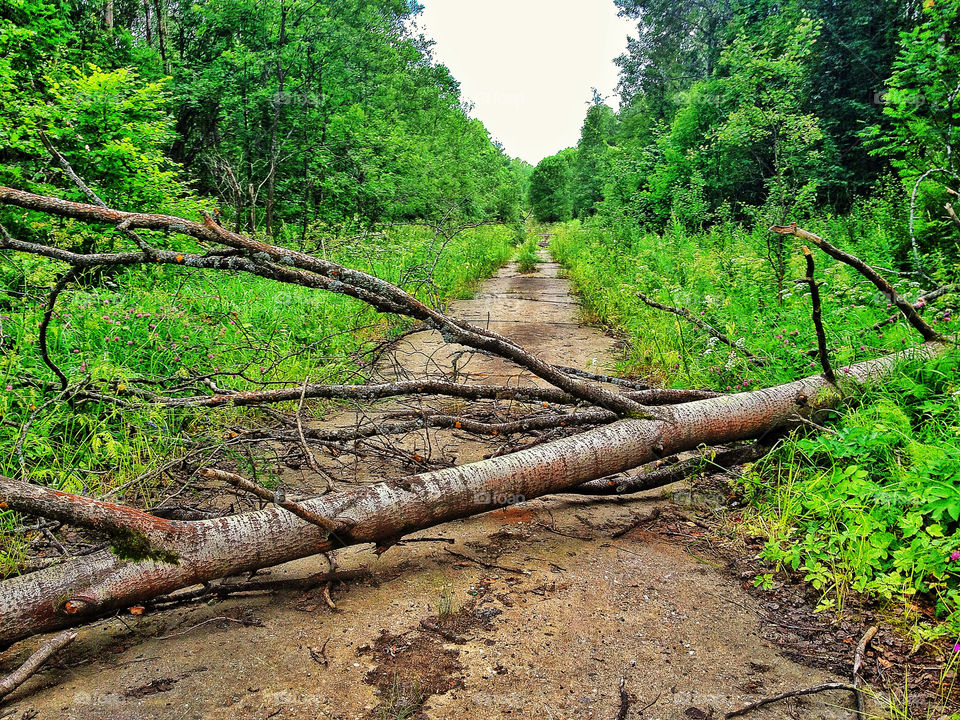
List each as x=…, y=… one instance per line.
x=528, y=65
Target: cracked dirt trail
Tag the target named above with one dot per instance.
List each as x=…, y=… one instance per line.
x=545, y=627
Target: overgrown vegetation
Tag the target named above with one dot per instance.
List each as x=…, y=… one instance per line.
x=737, y=116
x=871, y=504
x=325, y=126
x=167, y=326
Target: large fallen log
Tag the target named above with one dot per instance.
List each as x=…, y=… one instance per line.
x=154, y=556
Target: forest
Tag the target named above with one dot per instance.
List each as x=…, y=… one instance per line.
x=262, y=275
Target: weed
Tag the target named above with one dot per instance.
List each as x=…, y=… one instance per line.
x=402, y=700
x=445, y=603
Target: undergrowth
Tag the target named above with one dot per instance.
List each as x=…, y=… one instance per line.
x=527, y=257
x=872, y=504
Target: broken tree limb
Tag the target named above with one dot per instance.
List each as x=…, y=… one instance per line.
x=290, y=266
x=79, y=590
x=125, y=525
x=814, y=286
x=368, y=392
x=691, y=318
x=919, y=324
x=657, y=475
x=46, y=651
x=921, y=302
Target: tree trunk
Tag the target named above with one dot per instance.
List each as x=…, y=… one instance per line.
x=193, y=552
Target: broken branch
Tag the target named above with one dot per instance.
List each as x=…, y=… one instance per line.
x=921, y=326
x=33, y=663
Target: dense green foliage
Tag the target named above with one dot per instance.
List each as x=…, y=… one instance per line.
x=845, y=118
x=761, y=112
x=549, y=191
x=287, y=114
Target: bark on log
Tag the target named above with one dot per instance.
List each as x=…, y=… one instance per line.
x=80, y=590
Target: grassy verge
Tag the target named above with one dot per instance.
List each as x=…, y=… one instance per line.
x=872, y=505
x=156, y=323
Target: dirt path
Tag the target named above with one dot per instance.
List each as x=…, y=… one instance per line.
x=539, y=614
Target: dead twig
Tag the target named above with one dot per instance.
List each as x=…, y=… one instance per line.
x=222, y=618
x=919, y=324
x=921, y=302
x=663, y=472
x=307, y=452
x=278, y=498
x=826, y=687
x=33, y=663
x=320, y=656
x=814, y=286
x=224, y=589
x=691, y=318
x=489, y=566
x=858, y=663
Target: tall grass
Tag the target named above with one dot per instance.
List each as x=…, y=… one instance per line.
x=873, y=504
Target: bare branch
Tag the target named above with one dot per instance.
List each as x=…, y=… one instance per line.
x=690, y=317
x=43, y=653
x=286, y=265
x=868, y=272
x=921, y=302
x=367, y=392
x=811, y=282
x=792, y=694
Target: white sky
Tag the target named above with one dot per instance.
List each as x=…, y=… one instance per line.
x=528, y=65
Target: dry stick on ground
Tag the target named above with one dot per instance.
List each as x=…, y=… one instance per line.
x=792, y=694
x=33, y=663
x=223, y=589
x=858, y=662
x=690, y=317
x=854, y=688
x=814, y=286
x=489, y=566
x=921, y=326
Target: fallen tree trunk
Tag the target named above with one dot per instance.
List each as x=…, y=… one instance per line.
x=155, y=557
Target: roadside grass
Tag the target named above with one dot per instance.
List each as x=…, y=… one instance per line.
x=871, y=505
x=526, y=257
x=164, y=323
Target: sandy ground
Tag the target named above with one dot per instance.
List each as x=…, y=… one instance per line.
x=540, y=614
